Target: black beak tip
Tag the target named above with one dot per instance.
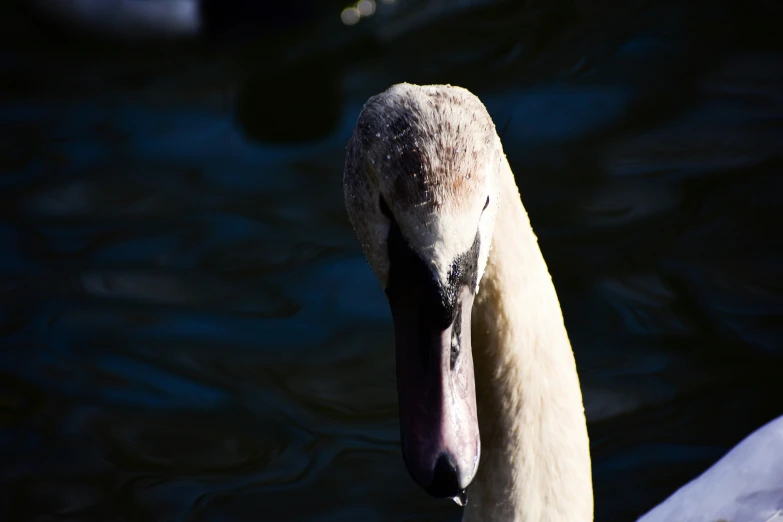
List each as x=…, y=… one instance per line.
x=445, y=478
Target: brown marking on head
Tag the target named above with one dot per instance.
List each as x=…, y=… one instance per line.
x=420, y=149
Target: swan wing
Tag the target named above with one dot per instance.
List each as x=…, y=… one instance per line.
x=746, y=485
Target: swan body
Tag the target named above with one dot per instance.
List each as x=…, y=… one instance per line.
x=175, y=19
x=127, y=18
x=485, y=369
x=745, y=485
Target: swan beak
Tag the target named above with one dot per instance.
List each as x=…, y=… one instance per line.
x=436, y=392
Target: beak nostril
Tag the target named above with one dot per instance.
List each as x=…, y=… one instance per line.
x=445, y=478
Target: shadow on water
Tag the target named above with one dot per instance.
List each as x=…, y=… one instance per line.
x=189, y=330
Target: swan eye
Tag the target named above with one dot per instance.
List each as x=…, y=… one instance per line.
x=485, y=205
x=384, y=207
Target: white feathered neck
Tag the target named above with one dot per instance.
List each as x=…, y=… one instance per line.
x=535, y=462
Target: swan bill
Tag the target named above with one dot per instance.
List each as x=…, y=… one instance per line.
x=435, y=381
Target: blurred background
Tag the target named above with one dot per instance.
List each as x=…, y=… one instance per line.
x=189, y=331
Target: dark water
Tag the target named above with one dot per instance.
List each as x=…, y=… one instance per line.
x=189, y=330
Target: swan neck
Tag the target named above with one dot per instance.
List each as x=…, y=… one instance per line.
x=535, y=463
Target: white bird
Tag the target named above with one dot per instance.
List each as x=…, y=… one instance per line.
x=127, y=18
x=175, y=19
x=482, y=350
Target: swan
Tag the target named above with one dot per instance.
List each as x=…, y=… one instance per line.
x=176, y=19
x=127, y=18
x=488, y=390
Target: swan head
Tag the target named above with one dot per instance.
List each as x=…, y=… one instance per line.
x=421, y=193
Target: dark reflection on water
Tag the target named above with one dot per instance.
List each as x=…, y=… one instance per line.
x=189, y=331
